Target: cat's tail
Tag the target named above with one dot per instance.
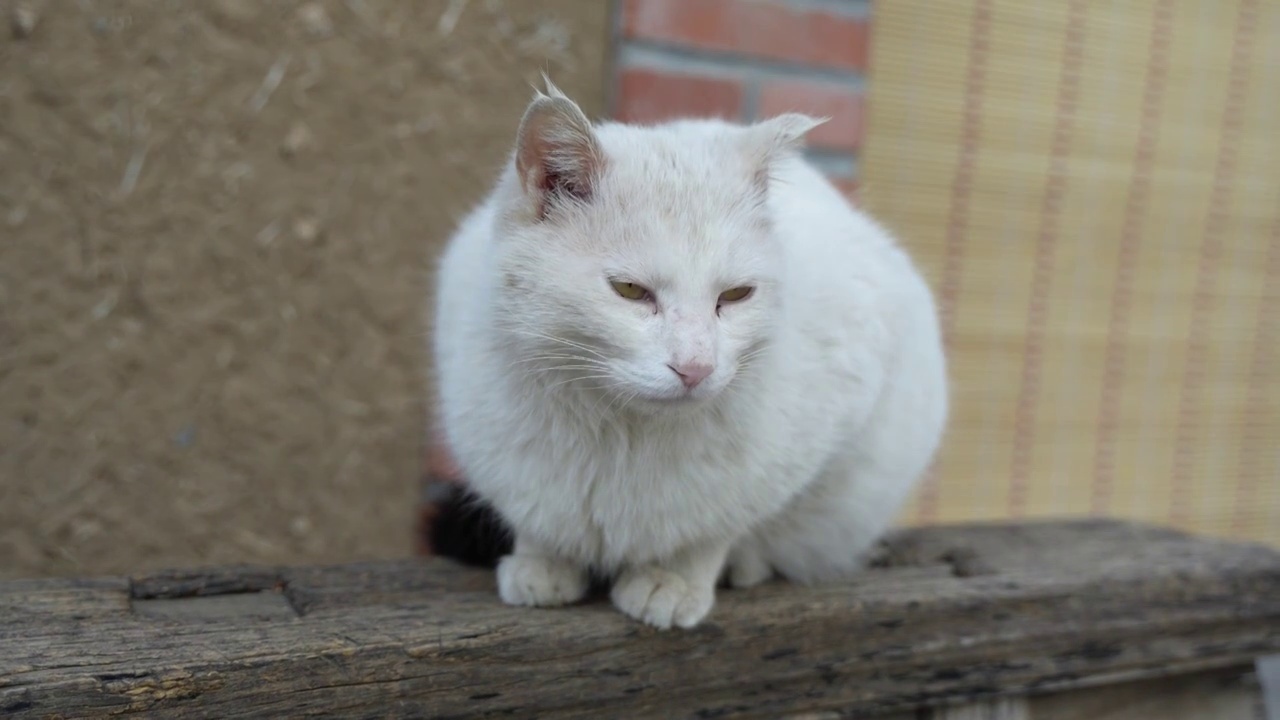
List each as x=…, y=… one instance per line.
x=455, y=523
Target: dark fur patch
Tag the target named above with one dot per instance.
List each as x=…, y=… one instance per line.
x=460, y=526
x=457, y=524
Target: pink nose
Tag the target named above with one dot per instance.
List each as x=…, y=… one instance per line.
x=692, y=373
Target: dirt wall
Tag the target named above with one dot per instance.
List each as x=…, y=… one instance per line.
x=217, y=226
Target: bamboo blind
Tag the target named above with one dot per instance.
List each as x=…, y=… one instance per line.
x=1094, y=191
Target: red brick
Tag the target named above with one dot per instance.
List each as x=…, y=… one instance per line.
x=848, y=187
x=840, y=103
x=646, y=95
x=752, y=27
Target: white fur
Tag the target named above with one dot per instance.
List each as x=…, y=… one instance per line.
x=826, y=405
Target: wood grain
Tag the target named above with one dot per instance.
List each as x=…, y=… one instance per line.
x=1230, y=695
x=953, y=615
x=1269, y=680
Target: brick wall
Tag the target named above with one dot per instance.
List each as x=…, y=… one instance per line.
x=747, y=60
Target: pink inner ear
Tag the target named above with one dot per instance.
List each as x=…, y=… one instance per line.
x=563, y=184
x=557, y=156
x=554, y=186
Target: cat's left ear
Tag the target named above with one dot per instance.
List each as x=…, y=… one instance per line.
x=557, y=154
x=775, y=138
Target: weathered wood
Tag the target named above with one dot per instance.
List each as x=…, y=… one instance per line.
x=1269, y=679
x=1009, y=708
x=1232, y=694
x=956, y=614
x=1229, y=695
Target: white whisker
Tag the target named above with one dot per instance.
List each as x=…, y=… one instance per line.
x=575, y=379
x=562, y=341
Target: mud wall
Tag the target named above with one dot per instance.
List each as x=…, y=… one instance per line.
x=218, y=222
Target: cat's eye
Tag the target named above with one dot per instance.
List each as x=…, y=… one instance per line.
x=735, y=295
x=631, y=291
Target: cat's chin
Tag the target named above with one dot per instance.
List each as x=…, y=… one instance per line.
x=674, y=400
x=658, y=404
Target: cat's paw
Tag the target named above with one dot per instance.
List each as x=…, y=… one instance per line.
x=662, y=598
x=748, y=568
x=537, y=581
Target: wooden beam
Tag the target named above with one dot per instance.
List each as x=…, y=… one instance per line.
x=1269, y=678
x=1203, y=696
x=953, y=615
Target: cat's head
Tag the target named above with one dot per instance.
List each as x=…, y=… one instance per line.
x=640, y=261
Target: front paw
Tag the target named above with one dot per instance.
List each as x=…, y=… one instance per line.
x=661, y=598
x=537, y=581
x=748, y=568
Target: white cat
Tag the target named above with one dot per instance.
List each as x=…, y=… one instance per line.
x=666, y=352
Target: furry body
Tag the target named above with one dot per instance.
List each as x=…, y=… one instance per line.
x=568, y=407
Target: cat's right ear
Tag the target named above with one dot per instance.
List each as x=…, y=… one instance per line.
x=776, y=137
x=558, y=157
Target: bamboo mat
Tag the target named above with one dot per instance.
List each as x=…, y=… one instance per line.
x=1094, y=191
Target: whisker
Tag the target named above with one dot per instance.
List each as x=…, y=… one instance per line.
x=560, y=358
x=576, y=378
x=754, y=353
x=623, y=405
x=563, y=341
x=558, y=368
x=606, y=392
x=556, y=362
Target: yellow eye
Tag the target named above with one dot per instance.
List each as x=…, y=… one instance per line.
x=630, y=291
x=736, y=294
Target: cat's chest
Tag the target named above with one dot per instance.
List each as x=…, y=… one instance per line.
x=631, y=495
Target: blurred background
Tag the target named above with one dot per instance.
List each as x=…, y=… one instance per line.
x=219, y=220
